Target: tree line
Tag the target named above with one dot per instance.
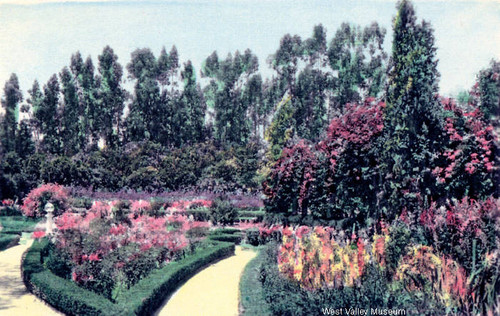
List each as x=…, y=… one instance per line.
x=85, y=109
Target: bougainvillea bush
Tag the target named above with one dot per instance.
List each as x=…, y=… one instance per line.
x=34, y=203
x=108, y=248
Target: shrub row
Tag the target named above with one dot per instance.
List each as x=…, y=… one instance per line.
x=226, y=238
x=226, y=230
x=144, y=166
x=141, y=299
x=7, y=241
x=232, y=235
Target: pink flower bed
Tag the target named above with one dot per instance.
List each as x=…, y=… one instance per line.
x=99, y=246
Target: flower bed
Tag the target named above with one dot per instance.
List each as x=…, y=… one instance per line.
x=141, y=299
x=319, y=266
x=110, y=248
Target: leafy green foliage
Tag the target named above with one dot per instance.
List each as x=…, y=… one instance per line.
x=285, y=297
x=223, y=212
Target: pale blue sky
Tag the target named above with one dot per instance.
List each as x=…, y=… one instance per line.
x=37, y=40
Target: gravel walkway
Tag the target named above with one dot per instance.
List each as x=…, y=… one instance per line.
x=15, y=300
x=213, y=291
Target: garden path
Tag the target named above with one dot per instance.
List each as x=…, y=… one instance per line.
x=213, y=291
x=15, y=299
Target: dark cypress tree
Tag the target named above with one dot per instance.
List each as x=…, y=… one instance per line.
x=10, y=103
x=413, y=114
x=35, y=100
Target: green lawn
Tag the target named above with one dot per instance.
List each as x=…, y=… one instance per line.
x=17, y=224
x=252, y=299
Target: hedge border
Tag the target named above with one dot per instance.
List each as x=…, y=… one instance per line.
x=141, y=299
x=8, y=240
x=232, y=238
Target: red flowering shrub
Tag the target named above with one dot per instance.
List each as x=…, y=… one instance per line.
x=7, y=202
x=288, y=189
x=467, y=164
x=34, y=203
x=464, y=230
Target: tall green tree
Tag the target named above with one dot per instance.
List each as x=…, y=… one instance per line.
x=310, y=103
x=10, y=102
x=253, y=96
x=35, y=101
x=86, y=84
x=111, y=97
x=48, y=117
x=489, y=89
x=229, y=77
x=357, y=57
x=413, y=114
x=24, y=141
x=173, y=112
x=192, y=105
x=145, y=118
x=72, y=132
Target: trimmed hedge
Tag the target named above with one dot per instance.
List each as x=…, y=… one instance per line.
x=7, y=241
x=226, y=238
x=223, y=231
x=251, y=213
x=141, y=299
x=226, y=235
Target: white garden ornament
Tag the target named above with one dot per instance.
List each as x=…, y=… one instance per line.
x=49, y=225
